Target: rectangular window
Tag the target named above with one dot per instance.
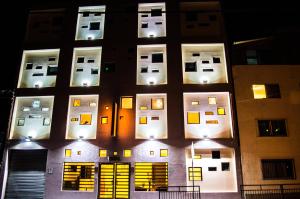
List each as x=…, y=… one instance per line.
x=80, y=60
x=76, y=102
x=216, y=60
x=212, y=168
x=212, y=100
x=156, y=12
x=127, y=153
x=225, y=166
x=263, y=91
x=85, y=119
x=144, y=70
x=195, y=173
x=251, y=57
x=95, y=26
x=151, y=176
x=157, y=104
x=94, y=71
x=102, y=153
x=78, y=176
x=157, y=58
x=104, y=120
x=29, y=66
x=68, y=152
x=190, y=67
x=195, y=103
x=46, y=122
x=216, y=154
x=143, y=120
x=142, y=108
x=272, y=128
x=126, y=102
x=52, y=70
x=193, y=117
x=221, y=111
x=164, y=153
x=278, y=169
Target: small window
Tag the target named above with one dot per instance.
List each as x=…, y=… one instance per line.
x=263, y=91
x=95, y=26
x=94, y=71
x=155, y=70
x=91, y=61
x=151, y=153
x=190, y=67
x=195, y=103
x=143, y=120
x=46, y=122
x=196, y=54
x=157, y=58
x=164, y=153
x=221, y=111
x=144, y=69
x=193, y=118
x=21, y=121
x=273, y=90
x=157, y=104
x=126, y=102
x=102, y=153
x=127, y=153
x=37, y=74
x=208, y=70
x=39, y=67
x=115, y=153
x=29, y=66
x=216, y=154
x=142, y=108
x=251, y=57
x=278, y=169
x=68, y=152
x=205, y=61
x=155, y=118
x=85, y=14
x=209, y=113
x=212, y=100
x=158, y=23
x=79, y=70
x=144, y=57
x=195, y=174
x=144, y=25
x=225, y=166
x=52, y=70
x=80, y=60
x=104, y=120
x=36, y=104
x=212, y=168
x=272, y=128
x=216, y=60
x=85, y=119
x=212, y=122
x=51, y=59
x=156, y=12
x=76, y=102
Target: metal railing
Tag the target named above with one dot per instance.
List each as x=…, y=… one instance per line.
x=271, y=191
x=180, y=192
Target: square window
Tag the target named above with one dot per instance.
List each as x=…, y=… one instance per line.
x=164, y=153
x=36, y=104
x=52, y=70
x=156, y=12
x=157, y=58
x=46, y=121
x=68, y=152
x=95, y=26
x=212, y=100
x=126, y=102
x=127, y=153
x=190, y=67
x=144, y=69
x=143, y=120
x=29, y=66
x=144, y=25
x=80, y=60
x=85, y=119
x=216, y=154
x=104, y=120
x=78, y=152
x=76, y=102
x=94, y=71
x=115, y=153
x=157, y=104
x=102, y=153
x=195, y=174
x=21, y=121
x=273, y=91
x=225, y=166
x=85, y=14
x=193, y=117
x=216, y=60
x=221, y=111
x=259, y=91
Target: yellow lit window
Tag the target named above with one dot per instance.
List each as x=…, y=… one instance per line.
x=193, y=118
x=195, y=102
x=157, y=104
x=197, y=156
x=74, y=119
x=115, y=153
x=68, y=152
x=85, y=119
x=76, y=102
x=164, y=153
x=259, y=91
x=104, y=120
x=221, y=111
x=212, y=121
x=126, y=102
x=143, y=120
x=212, y=100
x=93, y=104
x=209, y=113
x=195, y=173
x=142, y=108
x=127, y=153
x=103, y=153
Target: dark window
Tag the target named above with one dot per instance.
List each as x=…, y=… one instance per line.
x=84, y=26
x=205, y=62
x=144, y=15
x=196, y=54
x=158, y=23
x=208, y=70
x=91, y=61
x=80, y=60
x=225, y=166
x=79, y=70
x=57, y=21
x=216, y=154
x=203, y=24
x=37, y=74
x=191, y=16
x=144, y=57
x=51, y=59
x=273, y=91
x=212, y=168
x=144, y=25
x=216, y=60
x=190, y=26
x=272, y=128
x=52, y=70
x=95, y=26
x=144, y=70
x=39, y=67
x=85, y=14
x=94, y=71
x=191, y=67
x=29, y=66
x=157, y=58
x=251, y=57
x=97, y=14
x=155, y=70
x=212, y=17
x=276, y=169
x=156, y=12
x=109, y=67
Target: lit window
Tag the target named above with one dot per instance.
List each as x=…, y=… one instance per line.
x=142, y=108
x=221, y=111
x=85, y=119
x=76, y=102
x=79, y=176
x=115, y=153
x=157, y=104
x=93, y=104
x=212, y=100
x=151, y=176
x=197, y=156
x=195, y=174
x=212, y=122
x=259, y=91
x=21, y=121
x=193, y=118
x=195, y=102
x=164, y=153
x=126, y=102
x=68, y=152
x=209, y=113
x=127, y=153
x=143, y=120
x=104, y=120
x=103, y=153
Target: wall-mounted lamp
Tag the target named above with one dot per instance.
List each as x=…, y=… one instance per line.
x=106, y=107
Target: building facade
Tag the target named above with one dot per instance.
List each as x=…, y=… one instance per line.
x=111, y=96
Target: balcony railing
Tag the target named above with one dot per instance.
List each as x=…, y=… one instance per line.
x=182, y=192
x=271, y=191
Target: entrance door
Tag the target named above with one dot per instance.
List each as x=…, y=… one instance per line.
x=114, y=180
